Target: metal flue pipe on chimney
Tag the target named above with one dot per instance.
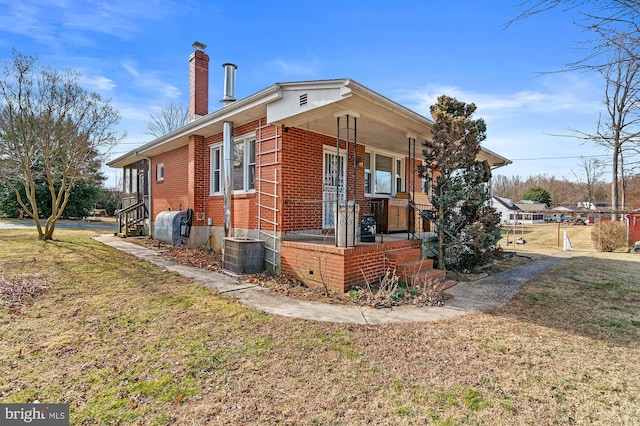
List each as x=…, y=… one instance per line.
x=229, y=83
x=228, y=146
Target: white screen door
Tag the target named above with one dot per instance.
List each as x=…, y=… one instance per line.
x=333, y=185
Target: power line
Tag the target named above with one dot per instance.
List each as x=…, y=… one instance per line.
x=557, y=158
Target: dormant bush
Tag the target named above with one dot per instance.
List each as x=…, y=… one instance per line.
x=608, y=236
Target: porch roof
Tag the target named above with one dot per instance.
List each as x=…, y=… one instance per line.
x=313, y=105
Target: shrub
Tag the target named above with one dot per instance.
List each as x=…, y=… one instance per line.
x=608, y=236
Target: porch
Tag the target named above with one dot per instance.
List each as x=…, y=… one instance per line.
x=347, y=255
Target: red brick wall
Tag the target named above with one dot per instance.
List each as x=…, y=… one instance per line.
x=197, y=186
x=297, y=167
x=172, y=192
x=411, y=167
x=244, y=210
x=302, y=175
x=336, y=267
x=198, y=84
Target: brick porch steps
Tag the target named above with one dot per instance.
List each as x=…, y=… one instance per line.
x=411, y=268
x=399, y=256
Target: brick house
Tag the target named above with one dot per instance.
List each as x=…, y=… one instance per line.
x=273, y=167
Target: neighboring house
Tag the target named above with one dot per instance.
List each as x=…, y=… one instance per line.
x=506, y=208
x=273, y=165
x=531, y=212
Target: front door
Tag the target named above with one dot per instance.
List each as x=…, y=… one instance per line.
x=333, y=186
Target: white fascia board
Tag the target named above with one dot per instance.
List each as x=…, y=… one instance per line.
x=495, y=160
x=197, y=126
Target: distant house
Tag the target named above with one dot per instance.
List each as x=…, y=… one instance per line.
x=523, y=211
x=531, y=212
x=506, y=208
x=297, y=165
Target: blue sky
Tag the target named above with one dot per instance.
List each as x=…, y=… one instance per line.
x=136, y=53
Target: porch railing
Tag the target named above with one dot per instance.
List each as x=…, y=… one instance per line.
x=428, y=235
x=131, y=218
x=314, y=219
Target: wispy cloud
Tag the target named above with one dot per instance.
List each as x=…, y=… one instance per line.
x=97, y=83
x=52, y=22
x=150, y=80
x=562, y=93
x=308, y=67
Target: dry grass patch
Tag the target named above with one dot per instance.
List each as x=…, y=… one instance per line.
x=124, y=342
x=545, y=238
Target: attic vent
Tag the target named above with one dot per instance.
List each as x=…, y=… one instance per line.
x=303, y=99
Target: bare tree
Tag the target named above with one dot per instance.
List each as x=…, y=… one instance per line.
x=621, y=128
x=591, y=170
x=51, y=131
x=615, y=25
x=169, y=118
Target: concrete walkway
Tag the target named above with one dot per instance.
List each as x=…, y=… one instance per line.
x=490, y=292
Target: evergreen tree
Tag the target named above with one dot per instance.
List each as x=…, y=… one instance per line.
x=466, y=227
x=537, y=194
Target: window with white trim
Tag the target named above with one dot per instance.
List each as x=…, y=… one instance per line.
x=383, y=174
x=398, y=171
x=244, y=166
x=160, y=172
x=215, y=185
x=368, y=183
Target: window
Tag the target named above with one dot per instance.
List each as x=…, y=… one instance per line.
x=383, y=174
x=216, y=170
x=160, y=172
x=244, y=166
x=251, y=163
x=238, y=166
x=384, y=169
x=367, y=174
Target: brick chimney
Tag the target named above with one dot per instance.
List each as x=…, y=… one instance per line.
x=198, y=82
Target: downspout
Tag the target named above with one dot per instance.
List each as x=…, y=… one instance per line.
x=227, y=145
